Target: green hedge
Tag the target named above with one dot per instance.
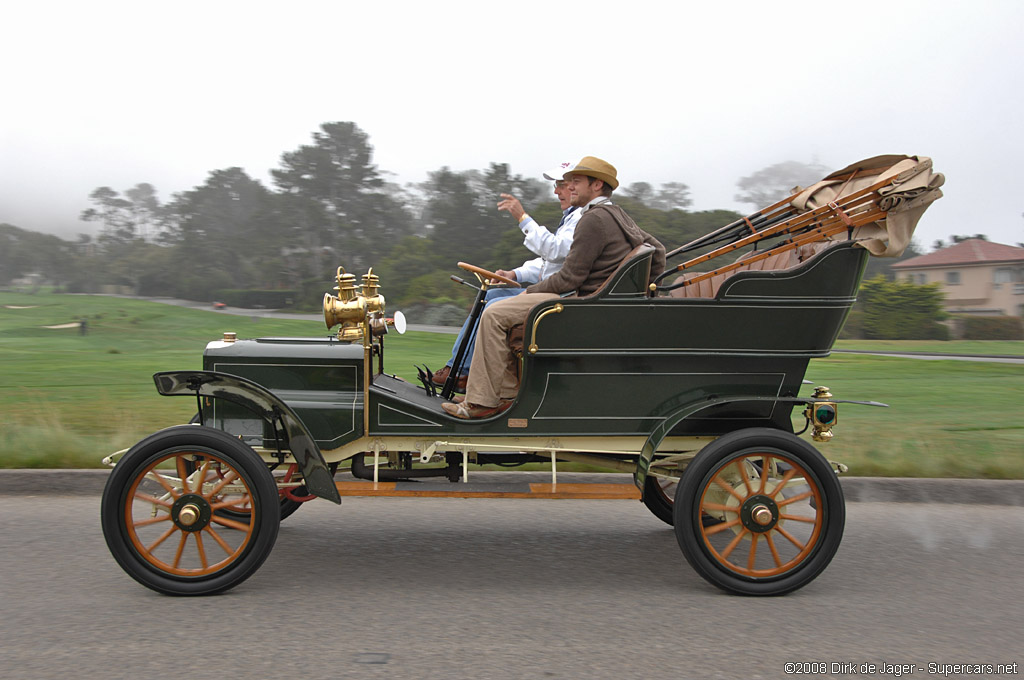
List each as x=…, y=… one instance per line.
x=992, y=327
x=900, y=310
x=853, y=328
x=253, y=299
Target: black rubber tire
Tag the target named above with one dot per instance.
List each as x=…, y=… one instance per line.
x=658, y=500
x=820, y=515
x=137, y=554
x=288, y=506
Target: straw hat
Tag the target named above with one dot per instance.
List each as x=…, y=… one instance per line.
x=596, y=168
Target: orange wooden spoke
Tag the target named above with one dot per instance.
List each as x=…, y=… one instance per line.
x=794, y=499
x=710, y=531
x=202, y=476
x=234, y=505
x=152, y=520
x=231, y=524
x=202, y=551
x=790, y=473
x=735, y=542
x=799, y=518
x=753, y=551
x=775, y=551
x=728, y=487
x=167, y=534
x=225, y=480
x=743, y=475
x=159, y=478
x=765, y=464
x=151, y=499
x=220, y=541
x=181, y=549
x=718, y=506
x=179, y=462
x=789, y=537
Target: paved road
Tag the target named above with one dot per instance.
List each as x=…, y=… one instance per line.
x=425, y=588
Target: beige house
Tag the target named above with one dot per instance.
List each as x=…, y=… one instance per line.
x=977, y=277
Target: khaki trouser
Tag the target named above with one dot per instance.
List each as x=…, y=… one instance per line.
x=492, y=375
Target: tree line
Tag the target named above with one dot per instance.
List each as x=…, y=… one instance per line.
x=329, y=205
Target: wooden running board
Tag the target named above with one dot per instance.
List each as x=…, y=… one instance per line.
x=592, y=490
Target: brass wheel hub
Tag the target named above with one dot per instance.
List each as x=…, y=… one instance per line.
x=759, y=514
x=191, y=512
x=762, y=515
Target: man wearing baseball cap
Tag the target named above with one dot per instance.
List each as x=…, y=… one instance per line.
x=550, y=248
x=604, y=235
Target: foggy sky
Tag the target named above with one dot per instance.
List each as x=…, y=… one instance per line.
x=117, y=93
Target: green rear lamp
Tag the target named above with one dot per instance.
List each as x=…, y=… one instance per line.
x=825, y=414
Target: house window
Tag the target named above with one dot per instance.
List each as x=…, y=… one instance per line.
x=952, y=278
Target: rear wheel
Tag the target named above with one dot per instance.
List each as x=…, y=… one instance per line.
x=780, y=509
x=164, y=522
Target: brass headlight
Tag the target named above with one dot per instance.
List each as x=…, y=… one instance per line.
x=348, y=309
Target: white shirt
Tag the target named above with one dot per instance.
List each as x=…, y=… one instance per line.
x=551, y=247
x=597, y=200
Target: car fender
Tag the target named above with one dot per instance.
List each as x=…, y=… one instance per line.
x=318, y=479
x=659, y=433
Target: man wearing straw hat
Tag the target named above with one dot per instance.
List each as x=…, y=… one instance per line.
x=604, y=235
x=550, y=248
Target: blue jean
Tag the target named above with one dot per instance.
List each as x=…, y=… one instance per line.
x=492, y=295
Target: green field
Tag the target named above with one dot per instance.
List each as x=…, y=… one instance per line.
x=69, y=399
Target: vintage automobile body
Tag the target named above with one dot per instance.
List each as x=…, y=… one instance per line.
x=694, y=395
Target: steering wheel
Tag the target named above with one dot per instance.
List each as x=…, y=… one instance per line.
x=487, y=275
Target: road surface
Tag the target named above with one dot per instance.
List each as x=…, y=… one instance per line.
x=469, y=588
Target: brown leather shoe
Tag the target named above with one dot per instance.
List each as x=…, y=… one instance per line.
x=468, y=411
x=442, y=376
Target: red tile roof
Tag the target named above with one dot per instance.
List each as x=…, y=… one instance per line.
x=971, y=251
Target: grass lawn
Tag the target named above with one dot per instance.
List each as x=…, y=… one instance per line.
x=69, y=399
x=945, y=418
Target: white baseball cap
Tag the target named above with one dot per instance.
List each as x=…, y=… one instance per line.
x=558, y=174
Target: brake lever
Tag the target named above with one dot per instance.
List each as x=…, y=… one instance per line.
x=464, y=282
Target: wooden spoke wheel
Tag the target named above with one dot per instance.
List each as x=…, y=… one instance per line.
x=779, y=509
x=190, y=529
x=487, y=275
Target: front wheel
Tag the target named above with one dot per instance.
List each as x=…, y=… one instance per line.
x=779, y=507
x=161, y=511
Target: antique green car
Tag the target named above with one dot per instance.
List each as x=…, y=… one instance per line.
x=689, y=382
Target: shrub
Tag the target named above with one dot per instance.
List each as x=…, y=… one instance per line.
x=900, y=310
x=992, y=327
